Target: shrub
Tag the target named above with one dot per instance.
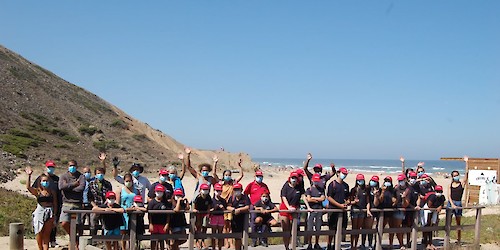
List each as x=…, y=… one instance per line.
x=87, y=130
x=119, y=124
x=104, y=145
x=15, y=207
x=140, y=137
x=71, y=138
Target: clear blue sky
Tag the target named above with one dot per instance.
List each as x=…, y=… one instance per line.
x=340, y=79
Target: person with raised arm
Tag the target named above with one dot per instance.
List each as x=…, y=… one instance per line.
x=455, y=194
x=291, y=195
x=203, y=175
x=317, y=169
x=337, y=195
x=359, y=199
x=111, y=222
x=173, y=177
x=315, y=195
x=140, y=182
x=44, y=214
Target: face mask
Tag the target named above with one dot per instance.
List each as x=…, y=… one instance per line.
x=136, y=173
x=237, y=192
x=423, y=183
x=204, y=173
x=172, y=176
x=218, y=193
x=402, y=183
x=111, y=201
x=439, y=194
x=419, y=174
x=456, y=178
x=317, y=183
x=361, y=182
x=44, y=184
x=259, y=179
x=293, y=181
x=72, y=169
x=163, y=178
x=99, y=177
x=343, y=176
x=387, y=184
x=264, y=199
x=317, y=170
x=139, y=204
x=128, y=184
x=87, y=176
x=159, y=194
x=413, y=181
x=373, y=183
x=50, y=170
x=204, y=192
x=227, y=178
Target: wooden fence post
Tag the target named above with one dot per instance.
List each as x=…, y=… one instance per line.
x=133, y=231
x=447, y=230
x=245, y=231
x=477, y=227
x=294, y=230
x=72, y=230
x=380, y=230
x=338, y=234
x=414, y=231
x=191, y=230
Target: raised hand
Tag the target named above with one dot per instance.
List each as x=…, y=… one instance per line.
x=420, y=164
x=28, y=170
x=187, y=150
x=215, y=158
x=102, y=156
x=240, y=161
x=402, y=159
x=180, y=156
x=466, y=158
x=309, y=156
x=116, y=162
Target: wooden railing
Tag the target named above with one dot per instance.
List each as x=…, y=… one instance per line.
x=246, y=235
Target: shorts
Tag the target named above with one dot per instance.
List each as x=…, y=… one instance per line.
x=158, y=229
x=333, y=219
x=399, y=215
x=457, y=212
x=203, y=218
x=409, y=218
x=266, y=218
x=358, y=215
x=65, y=217
x=238, y=223
x=286, y=214
x=228, y=216
x=115, y=231
x=315, y=221
x=217, y=220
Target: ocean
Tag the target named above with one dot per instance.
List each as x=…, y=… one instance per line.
x=376, y=166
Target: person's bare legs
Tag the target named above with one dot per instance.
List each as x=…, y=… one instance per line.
x=459, y=232
x=286, y=227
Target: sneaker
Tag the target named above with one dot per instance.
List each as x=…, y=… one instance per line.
x=254, y=243
x=317, y=247
x=263, y=243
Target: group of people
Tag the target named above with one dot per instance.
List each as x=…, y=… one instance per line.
x=224, y=209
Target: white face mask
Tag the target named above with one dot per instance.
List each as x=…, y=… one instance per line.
x=237, y=192
x=111, y=201
x=204, y=192
x=293, y=181
x=218, y=193
x=264, y=199
x=439, y=194
x=159, y=194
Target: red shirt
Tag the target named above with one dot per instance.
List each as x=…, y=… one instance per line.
x=254, y=190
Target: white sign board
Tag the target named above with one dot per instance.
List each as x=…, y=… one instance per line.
x=481, y=177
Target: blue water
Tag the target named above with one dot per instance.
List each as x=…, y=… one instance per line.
x=376, y=166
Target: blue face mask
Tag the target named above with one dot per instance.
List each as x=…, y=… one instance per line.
x=50, y=170
x=44, y=184
x=361, y=182
x=99, y=177
x=373, y=183
x=227, y=178
x=387, y=184
x=172, y=176
x=163, y=178
x=204, y=173
x=343, y=176
x=402, y=183
x=423, y=183
x=72, y=169
x=87, y=176
x=136, y=173
x=419, y=174
x=456, y=178
x=259, y=179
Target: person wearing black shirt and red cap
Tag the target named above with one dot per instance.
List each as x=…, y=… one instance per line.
x=434, y=200
x=315, y=195
x=360, y=199
x=238, y=204
x=111, y=222
x=337, y=195
x=202, y=205
x=158, y=223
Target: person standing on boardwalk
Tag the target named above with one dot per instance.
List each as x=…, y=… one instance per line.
x=238, y=204
x=71, y=185
x=455, y=193
x=125, y=197
x=413, y=193
x=359, y=200
x=97, y=195
x=317, y=169
x=374, y=191
x=435, y=199
x=337, y=195
x=203, y=175
x=315, y=195
x=254, y=191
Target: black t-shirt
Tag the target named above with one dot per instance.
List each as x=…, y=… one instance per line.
x=423, y=192
x=399, y=191
x=436, y=201
x=203, y=204
x=158, y=219
x=266, y=206
x=239, y=203
x=315, y=192
x=372, y=198
x=292, y=194
x=219, y=204
x=178, y=219
x=112, y=221
x=414, y=191
x=168, y=191
x=339, y=192
x=362, y=194
x=388, y=194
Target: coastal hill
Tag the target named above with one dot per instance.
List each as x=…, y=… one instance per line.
x=45, y=117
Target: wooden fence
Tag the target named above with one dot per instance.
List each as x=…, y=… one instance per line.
x=246, y=235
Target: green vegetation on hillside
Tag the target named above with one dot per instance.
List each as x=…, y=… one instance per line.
x=104, y=145
x=119, y=124
x=15, y=207
x=17, y=141
x=87, y=130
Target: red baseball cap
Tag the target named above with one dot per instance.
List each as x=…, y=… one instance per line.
x=318, y=166
x=438, y=188
x=375, y=178
x=50, y=163
x=138, y=198
x=388, y=178
x=204, y=186
x=401, y=177
x=218, y=187
x=163, y=171
x=360, y=177
x=237, y=185
x=300, y=171
x=160, y=188
x=343, y=170
x=293, y=174
x=110, y=194
x=316, y=177
x=258, y=173
x=178, y=192
x=413, y=174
